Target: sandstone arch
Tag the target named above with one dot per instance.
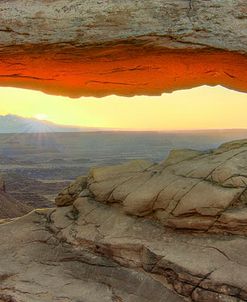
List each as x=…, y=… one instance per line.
x=127, y=48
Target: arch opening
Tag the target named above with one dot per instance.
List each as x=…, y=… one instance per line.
x=201, y=108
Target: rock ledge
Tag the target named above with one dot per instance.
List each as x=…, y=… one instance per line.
x=137, y=232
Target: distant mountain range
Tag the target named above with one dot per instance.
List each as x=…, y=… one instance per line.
x=16, y=124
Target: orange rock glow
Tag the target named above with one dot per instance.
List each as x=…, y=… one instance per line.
x=121, y=69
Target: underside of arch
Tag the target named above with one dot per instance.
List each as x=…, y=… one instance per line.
x=126, y=69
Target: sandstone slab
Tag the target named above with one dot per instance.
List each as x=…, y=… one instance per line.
x=91, y=252
x=188, y=190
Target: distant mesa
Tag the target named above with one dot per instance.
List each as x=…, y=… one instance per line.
x=16, y=124
x=57, y=161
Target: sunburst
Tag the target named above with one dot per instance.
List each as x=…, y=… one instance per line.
x=41, y=116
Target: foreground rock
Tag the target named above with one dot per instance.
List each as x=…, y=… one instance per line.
x=44, y=260
x=205, y=191
x=94, y=252
x=115, y=240
x=70, y=193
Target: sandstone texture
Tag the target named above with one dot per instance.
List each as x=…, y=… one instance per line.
x=172, y=232
x=94, y=252
x=70, y=193
x=97, y=48
x=194, y=23
x=189, y=190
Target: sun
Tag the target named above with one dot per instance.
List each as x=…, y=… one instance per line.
x=41, y=116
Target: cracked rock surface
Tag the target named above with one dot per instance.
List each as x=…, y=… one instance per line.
x=94, y=252
x=43, y=259
x=194, y=190
x=101, y=248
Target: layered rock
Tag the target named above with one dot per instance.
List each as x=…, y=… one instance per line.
x=195, y=190
x=201, y=191
x=86, y=23
x=94, y=252
x=125, y=48
x=90, y=250
x=72, y=192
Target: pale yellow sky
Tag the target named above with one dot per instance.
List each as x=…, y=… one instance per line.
x=199, y=108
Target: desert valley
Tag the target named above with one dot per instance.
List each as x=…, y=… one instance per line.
x=35, y=167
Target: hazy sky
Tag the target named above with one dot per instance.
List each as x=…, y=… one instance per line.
x=198, y=108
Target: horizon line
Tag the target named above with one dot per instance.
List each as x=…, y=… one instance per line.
x=131, y=131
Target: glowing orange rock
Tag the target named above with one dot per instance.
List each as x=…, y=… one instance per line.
x=120, y=69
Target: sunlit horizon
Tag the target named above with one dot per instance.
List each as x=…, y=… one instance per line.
x=201, y=108
x=41, y=116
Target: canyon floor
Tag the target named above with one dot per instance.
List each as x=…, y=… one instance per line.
x=137, y=231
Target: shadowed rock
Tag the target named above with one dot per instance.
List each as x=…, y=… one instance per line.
x=69, y=194
x=9, y=206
